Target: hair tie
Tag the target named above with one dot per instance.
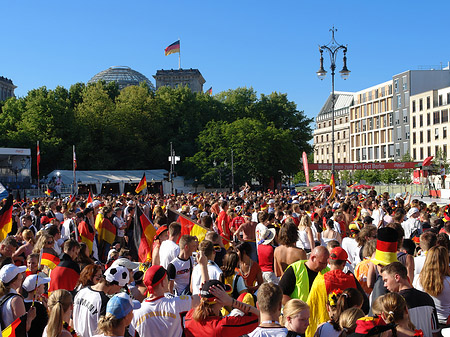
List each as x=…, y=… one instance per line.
x=391, y=313
x=345, y=294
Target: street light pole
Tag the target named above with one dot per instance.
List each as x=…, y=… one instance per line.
x=333, y=47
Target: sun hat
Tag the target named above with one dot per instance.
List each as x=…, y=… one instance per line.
x=386, y=250
x=121, y=305
x=10, y=271
x=265, y=235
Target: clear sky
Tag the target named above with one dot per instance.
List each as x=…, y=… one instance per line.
x=268, y=45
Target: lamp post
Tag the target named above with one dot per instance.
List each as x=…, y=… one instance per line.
x=333, y=47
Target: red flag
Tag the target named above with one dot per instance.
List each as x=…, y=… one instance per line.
x=6, y=217
x=142, y=184
x=143, y=234
x=89, y=199
x=306, y=168
x=16, y=328
x=38, y=158
x=74, y=159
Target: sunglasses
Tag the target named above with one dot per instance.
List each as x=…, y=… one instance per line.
x=50, y=242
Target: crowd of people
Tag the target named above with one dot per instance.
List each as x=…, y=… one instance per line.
x=275, y=263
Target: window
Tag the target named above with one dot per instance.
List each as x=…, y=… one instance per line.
x=414, y=154
x=399, y=101
x=396, y=86
x=406, y=97
x=421, y=137
x=327, y=137
x=405, y=83
x=397, y=150
x=390, y=119
x=383, y=151
x=414, y=138
x=428, y=119
x=396, y=118
x=390, y=89
x=405, y=147
x=343, y=148
x=444, y=151
x=421, y=153
x=444, y=132
x=406, y=131
x=436, y=117
x=448, y=98
x=414, y=122
x=343, y=135
x=377, y=122
x=440, y=100
x=413, y=106
x=428, y=151
x=428, y=102
x=428, y=135
x=399, y=133
x=444, y=116
x=338, y=134
x=375, y=153
x=391, y=150
x=421, y=121
x=370, y=123
x=420, y=104
x=321, y=139
x=436, y=134
x=405, y=116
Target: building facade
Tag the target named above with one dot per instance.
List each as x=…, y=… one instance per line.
x=6, y=88
x=323, y=135
x=192, y=78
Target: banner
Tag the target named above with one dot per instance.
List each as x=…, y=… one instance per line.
x=363, y=166
x=306, y=168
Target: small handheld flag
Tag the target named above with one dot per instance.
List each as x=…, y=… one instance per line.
x=173, y=48
x=48, y=192
x=142, y=184
x=89, y=199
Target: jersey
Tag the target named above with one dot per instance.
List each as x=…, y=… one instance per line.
x=88, y=306
x=269, y=332
x=214, y=273
x=160, y=316
x=167, y=252
x=180, y=272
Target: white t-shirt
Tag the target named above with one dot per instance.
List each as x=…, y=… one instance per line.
x=214, y=273
x=410, y=226
x=88, y=306
x=167, y=252
x=268, y=332
x=160, y=317
x=418, y=263
x=351, y=247
x=179, y=271
x=442, y=301
x=377, y=215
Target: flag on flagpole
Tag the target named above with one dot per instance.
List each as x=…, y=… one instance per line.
x=142, y=184
x=38, y=158
x=48, y=192
x=3, y=192
x=188, y=226
x=74, y=159
x=6, y=217
x=333, y=187
x=106, y=230
x=306, y=167
x=143, y=234
x=89, y=199
x=49, y=258
x=16, y=328
x=173, y=48
x=86, y=234
x=209, y=91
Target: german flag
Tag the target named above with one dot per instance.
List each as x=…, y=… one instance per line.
x=142, y=184
x=6, y=217
x=209, y=91
x=333, y=187
x=65, y=275
x=48, y=192
x=358, y=213
x=188, y=226
x=173, y=48
x=86, y=234
x=17, y=328
x=98, y=221
x=106, y=231
x=49, y=258
x=89, y=199
x=143, y=233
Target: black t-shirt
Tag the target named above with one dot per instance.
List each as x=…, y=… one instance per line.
x=289, y=279
x=38, y=324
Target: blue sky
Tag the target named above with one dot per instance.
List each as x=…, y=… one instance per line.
x=269, y=45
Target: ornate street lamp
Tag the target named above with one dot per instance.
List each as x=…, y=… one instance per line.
x=333, y=47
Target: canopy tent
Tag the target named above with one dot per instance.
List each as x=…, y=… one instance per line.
x=99, y=178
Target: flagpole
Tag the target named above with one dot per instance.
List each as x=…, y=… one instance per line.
x=37, y=276
x=179, y=56
x=38, y=159
x=74, y=172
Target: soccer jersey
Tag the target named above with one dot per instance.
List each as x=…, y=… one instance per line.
x=88, y=306
x=160, y=317
x=268, y=332
x=179, y=271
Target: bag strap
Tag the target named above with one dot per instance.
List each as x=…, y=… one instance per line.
x=190, y=273
x=3, y=301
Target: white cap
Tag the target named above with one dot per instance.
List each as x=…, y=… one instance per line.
x=117, y=274
x=96, y=203
x=9, y=271
x=124, y=262
x=271, y=201
x=130, y=203
x=193, y=209
x=29, y=284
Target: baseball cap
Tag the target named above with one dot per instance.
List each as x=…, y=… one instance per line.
x=124, y=262
x=96, y=203
x=338, y=253
x=204, y=291
x=121, y=305
x=118, y=274
x=368, y=219
x=203, y=214
x=29, y=284
x=9, y=271
x=153, y=276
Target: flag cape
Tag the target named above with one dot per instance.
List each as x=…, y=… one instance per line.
x=142, y=185
x=89, y=199
x=6, y=218
x=49, y=258
x=16, y=328
x=358, y=213
x=188, y=226
x=106, y=231
x=86, y=234
x=143, y=234
x=173, y=48
x=3, y=192
x=48, y=192
x=65, y=275
x=98, y=221
x=333, y=187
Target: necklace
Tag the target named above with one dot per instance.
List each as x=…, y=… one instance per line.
x=69, y=329
x=243, y=273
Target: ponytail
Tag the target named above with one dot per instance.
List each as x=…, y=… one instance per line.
x=58, y=303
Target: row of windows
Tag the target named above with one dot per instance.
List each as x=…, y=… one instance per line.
x=374, y=94
x=373, y=153
x=371, y=108
x=429, y=139
x=438, y=117
x=328, y=160
x=372, y=123
x=328, y=137
x=423, y=155
x=336, y=122
x=372, y=138
x=440, y=102
x=328, y=149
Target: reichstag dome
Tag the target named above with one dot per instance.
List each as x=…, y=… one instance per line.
x=123, y=76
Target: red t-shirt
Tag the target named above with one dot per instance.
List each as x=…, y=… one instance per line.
x=237, y=222
x=224, y=219
x=229, y=326
x=265, y=257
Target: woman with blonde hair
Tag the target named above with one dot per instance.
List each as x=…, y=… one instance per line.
x=295, y=317
x=60, y=307
x=434, y=279
x=45, y=240
x=305, y=234
x=395, y=311
x=347, y=321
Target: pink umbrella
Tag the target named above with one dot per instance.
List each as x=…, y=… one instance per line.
x=321, y=187
x=362, y=187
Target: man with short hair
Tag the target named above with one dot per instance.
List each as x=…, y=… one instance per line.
x=90, y=302
x=299, y=276
x=8, y=246
x=169, y=248
x=205, y=247
x=421, y=307
x=179, y=270
x=67, y=273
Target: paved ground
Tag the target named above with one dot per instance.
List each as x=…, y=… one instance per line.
x=428, y=200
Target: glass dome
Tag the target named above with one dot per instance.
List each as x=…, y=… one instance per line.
x=123, y=76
